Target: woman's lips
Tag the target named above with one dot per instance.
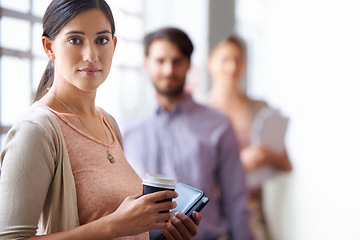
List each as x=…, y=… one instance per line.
x=89, y=71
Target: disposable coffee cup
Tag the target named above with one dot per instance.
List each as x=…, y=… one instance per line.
x=156, y=182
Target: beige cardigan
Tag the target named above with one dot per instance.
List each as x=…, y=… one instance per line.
x=36, y=178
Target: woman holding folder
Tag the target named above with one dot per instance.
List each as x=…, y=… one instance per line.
x=227, y=66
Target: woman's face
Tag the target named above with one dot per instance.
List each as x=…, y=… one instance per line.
x=83, y=50
x=227, y=63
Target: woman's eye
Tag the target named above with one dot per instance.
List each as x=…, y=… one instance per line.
x=102, y=40
x=159, y=61
x=74, y=40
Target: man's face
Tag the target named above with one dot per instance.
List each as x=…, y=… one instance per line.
x=167, y=68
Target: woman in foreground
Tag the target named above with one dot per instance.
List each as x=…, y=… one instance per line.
x=63, y=171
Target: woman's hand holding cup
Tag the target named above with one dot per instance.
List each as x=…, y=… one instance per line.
x=155, y=183
x=141, y=213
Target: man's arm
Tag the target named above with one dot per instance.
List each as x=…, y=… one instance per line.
x=133, y=150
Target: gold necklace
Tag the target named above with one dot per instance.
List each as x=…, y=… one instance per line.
x=110, y=157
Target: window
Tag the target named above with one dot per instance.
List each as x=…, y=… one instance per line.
x=21, y=58
x=126, y=90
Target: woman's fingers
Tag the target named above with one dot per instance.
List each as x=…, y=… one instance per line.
x=178, y=228
x=165, y=206
x=161, y=195
x=185, y=224
x=172, y=233
x=160, y=225
x=182, y=227
x=156, y=200
x=197, y=218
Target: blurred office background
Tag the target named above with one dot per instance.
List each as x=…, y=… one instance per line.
x=303, y=59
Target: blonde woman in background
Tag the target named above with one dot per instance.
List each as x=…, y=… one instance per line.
x=227, y=67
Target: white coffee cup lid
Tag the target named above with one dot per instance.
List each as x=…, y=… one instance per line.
x=157, y=180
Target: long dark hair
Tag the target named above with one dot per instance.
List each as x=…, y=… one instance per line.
x=57, y=15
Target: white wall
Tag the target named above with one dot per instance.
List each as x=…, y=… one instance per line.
x=305, y=60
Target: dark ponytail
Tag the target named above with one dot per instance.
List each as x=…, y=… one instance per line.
x=46, y=81
x=57, y=15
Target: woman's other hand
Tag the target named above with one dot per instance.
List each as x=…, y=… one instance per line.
x=183, y=227
x=255, y=156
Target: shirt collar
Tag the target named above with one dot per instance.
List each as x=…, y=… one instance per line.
x=182, y=106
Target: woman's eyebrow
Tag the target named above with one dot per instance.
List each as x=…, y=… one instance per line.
x=75, y=32
x=102, y=32
x=82, y=33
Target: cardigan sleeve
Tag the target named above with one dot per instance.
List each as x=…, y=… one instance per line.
x=27, y=170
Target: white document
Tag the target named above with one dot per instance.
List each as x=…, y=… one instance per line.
x=269, y=129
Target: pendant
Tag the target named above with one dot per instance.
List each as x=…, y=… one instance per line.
x=111, y=158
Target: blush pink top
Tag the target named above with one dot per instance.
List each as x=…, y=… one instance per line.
x=101, y=186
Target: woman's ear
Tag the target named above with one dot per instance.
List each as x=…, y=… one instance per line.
x=47, y=45
x=115, y=42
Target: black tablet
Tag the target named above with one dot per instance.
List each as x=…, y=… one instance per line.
x=190, y=199
x=187, y=199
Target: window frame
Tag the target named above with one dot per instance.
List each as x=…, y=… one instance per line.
x=32, y=19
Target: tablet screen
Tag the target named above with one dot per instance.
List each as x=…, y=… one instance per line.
x=188, y=197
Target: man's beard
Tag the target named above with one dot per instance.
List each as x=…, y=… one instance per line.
x=171, y=93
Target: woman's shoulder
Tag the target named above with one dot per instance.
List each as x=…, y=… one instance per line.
x=256, y=105
x=37, y=129
x=37, y=117
x=257, y=102
x=37, y=113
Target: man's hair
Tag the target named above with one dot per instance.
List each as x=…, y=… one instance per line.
x=174, y=35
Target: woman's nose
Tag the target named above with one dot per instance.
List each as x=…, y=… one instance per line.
x=232, y=66
x=90, y=53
